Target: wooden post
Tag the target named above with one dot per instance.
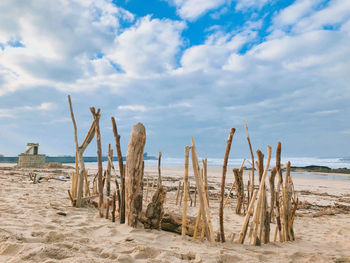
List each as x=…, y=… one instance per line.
x=109, y=165
x=121, y=171
x=159, y=170
x=184, y=209
x=113, y=207
x=87, y=188
x=178, y=193
x=243, y=232
x=182, y=193
x=258, y=209
x=134, y=174
x=107, y=208
x=205, y=175
x=272, y=192
x=97, y=117
x=223, y=178
x=252, y=156
x=147, y=189
x=79, y=153
x=260, y=164
x=239, y=190
x=202, y=197
x=279, y=184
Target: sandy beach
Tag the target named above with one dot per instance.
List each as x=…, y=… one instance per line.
x=32, y=229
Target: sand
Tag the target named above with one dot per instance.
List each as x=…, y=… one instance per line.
x=31, y=230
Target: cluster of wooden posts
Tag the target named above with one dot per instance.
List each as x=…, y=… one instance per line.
x=276, y=205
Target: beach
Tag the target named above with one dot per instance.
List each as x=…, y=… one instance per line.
x=38, y=224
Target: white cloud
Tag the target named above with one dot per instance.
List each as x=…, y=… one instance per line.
x=16, y=111
x=149, y=47
x=192, y=9
x=140, y=108
x=243, y=5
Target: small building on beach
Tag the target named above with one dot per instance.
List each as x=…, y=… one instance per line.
x=31, y=157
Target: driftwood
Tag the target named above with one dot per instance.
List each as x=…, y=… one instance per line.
x=272, y=192
x=223, y=179
x=205, y=176
x=186, y=190
x=159, y=170
x=239, y=189
x=113, y=207
x=154, y=212
x=96, y=115
x=205, y=214
x=121, y=171
x=260, y=164
x=80, y=168
x=252, y=162
x=109, y=166
x=134, y=175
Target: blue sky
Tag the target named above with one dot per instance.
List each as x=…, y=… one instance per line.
x=181, y=67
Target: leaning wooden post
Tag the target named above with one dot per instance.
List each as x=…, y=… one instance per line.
x=202, y=196
x=113, y=207
x=109, y=165
x=223, y=178
x=257, y=215
x=279, y=184
x=134, y=175
x=205, y=175
x=121, y=171
x=272, y=192
x=97, y=117
x=159, y=170
x=243, y=232
x=184, y=209
x=252, y=156
x=80, y=175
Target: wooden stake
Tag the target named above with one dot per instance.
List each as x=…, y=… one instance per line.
x=113, y=207
x=159, y=170
x=186, y=190
x=260, y=198
x=260, y=164
x=223, y=178
x=107, y=208
x=239, y=190
x=121, y=171
x=202, y=196
x=182, y=193
x=272, y=192
x=252, y=156
x=205, y=175
x=178, y=193
x=134, y=175
x=243, y=232
x=109, y=165
x=97, y=116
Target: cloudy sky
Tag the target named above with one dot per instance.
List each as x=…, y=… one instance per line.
x=181, y=67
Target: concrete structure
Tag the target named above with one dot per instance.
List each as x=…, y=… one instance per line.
x=31, y=158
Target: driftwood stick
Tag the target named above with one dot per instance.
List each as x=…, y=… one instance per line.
x=113, y=207
x=159, y=170
x=202, y=196
x=260, y=164
x=205, y=176
x=121, y=171
x=243, y=232
x=198, y=220
x=239, y=190
x=71, y=198
x=108, y=174
x=155, y=210
x=107, y=208
x=97, y=116
x=134, y=175
x=252, y=156
x=233, y=185
x=257, y=220
x=87, y=188
x=272, y=192
x=223, y=178
x=178, y=193
x=184, y=208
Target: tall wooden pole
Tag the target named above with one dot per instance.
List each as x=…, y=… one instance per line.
x=109, y=165
x=223, y=178
x=252, y=156
x=97, y=117
x=184, y=209
x=134, y=175
x=159, y=170
x=121, y=171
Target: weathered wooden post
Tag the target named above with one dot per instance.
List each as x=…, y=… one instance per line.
x=134, y=175
x=121, y=171
x=97, y=117
x=184, y=209
x=223, y=179
x=109, y=165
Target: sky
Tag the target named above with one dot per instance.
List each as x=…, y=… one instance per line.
x=181, y=67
